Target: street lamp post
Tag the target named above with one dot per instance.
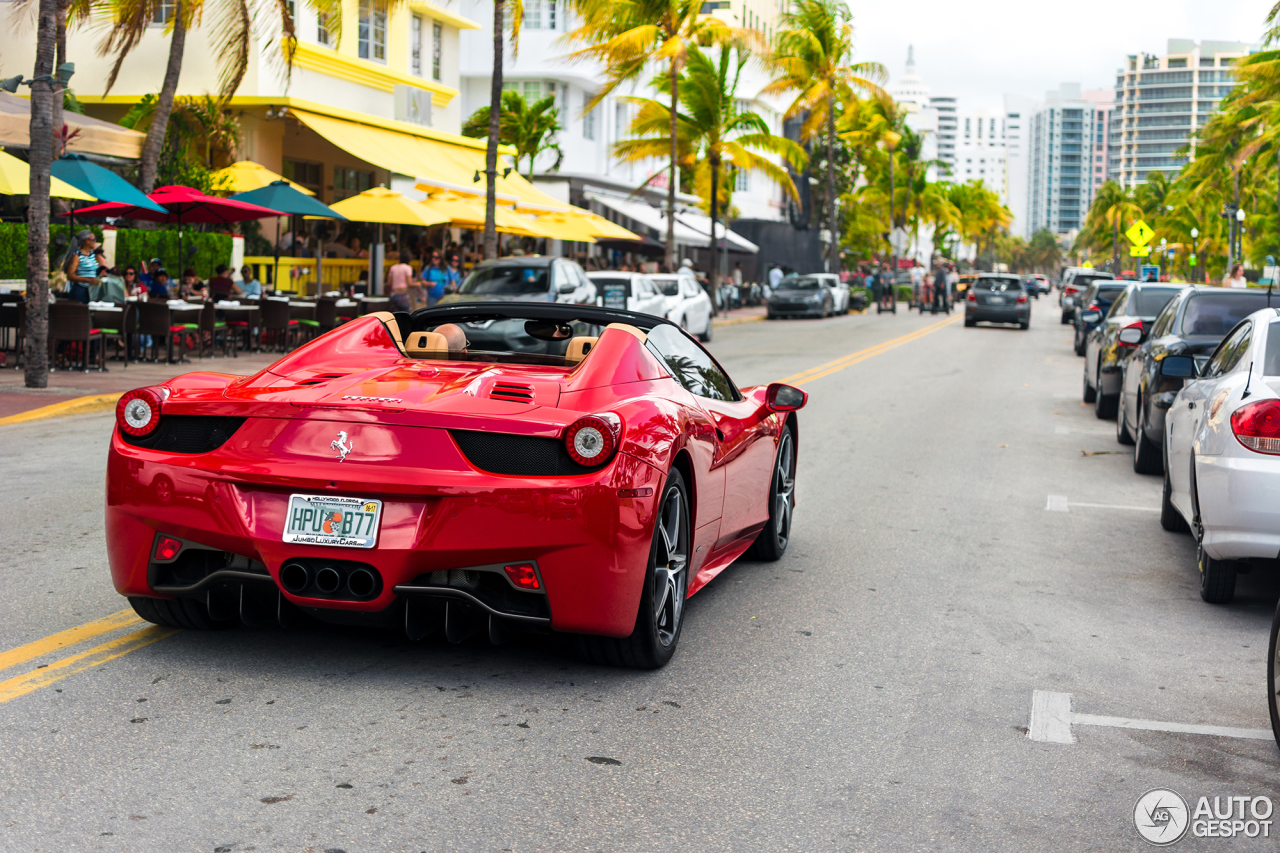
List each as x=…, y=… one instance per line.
x=1239, y=251
x=1195, y=232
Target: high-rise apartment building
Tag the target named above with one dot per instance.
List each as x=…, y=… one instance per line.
x=1161, y=100
x=945, y=107
x=1062, y=138
x=1017, y=118
x=1101, y=145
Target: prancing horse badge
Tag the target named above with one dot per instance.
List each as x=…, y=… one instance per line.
x=341, y=445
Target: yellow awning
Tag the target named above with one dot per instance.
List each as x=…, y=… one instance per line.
x=565, y=226
x=601, y=228
x=247, y=175
x=434, y=163
x=388, y=207
x=15, y=179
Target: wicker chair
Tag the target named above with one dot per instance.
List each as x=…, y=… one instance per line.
x=278, y=329
x=154, y=320
x=69, y=323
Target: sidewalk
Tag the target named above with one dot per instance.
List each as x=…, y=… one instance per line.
x=749, y=314
x=68, y=385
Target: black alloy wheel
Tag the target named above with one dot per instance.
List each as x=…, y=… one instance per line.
x=666, y=586
x=771, y=544
x=1146, y=456
x=1273, y=675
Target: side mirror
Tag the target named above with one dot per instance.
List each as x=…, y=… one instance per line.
x=566, y=287
x=1131, y=336
x=784, y=398
x=1091, y=316
x=1178, y=367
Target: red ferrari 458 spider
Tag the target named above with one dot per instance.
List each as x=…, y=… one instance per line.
x=478, y=467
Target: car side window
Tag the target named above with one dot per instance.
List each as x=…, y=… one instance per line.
x=691, y=365
x=1161, y=327
x=1117, y=307
x=1229, y=352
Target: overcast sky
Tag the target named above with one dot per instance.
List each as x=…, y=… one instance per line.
x=980, y=49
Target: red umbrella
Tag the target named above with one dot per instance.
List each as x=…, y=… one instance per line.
x=184, y=204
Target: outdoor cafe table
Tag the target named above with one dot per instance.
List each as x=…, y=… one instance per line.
x=370, y=304
x=348, y=308
x=248, y=314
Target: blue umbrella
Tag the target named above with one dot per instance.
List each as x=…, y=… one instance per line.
x=278, y=195
x=102, y=184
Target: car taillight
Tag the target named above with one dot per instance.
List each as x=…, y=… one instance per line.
x=167, y=547
x=1070, y=290
x=592, y=440
x=138, y=412
x=1022, y=299
x=523, y=575
x=972, y=297
x=1257, y=426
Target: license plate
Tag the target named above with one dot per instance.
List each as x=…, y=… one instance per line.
x=996, y=300
x=332, y=520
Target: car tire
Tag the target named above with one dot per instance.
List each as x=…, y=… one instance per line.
x=1079, y=342
x=1273, y=675
x=660, y=615
x=1170, y=519
x=1146, y=456
x=1104, y=408
x=969, y=324
x=1123, y=436
x=1217, y=577
x=705, y=337
x=178, y=613
x=1065, y=318
x=771, y=544
x=1024, y=325
x=1089, y=394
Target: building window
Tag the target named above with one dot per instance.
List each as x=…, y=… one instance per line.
x=322, y=28
x=165, y=8
x=620, y=119
x=437, y=48
x=540, y=15
x=742, y=180
x=349, y=182
x=415, y=45
x=373, y=30
x=309, y=175
x=588, y=119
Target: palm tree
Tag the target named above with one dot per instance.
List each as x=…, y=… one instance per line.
x=529, y=128
x=713, y=135
x=501, y=19
x=627, y=35
x=813, y=54
x=40, y=156
x=234, y=30
x=1113, y=209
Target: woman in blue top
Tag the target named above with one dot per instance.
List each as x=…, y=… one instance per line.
x=82, y=267
x=434, y=275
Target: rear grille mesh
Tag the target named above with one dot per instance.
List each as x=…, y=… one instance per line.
x=187, y=434
x=518, y=455
x=512, y=392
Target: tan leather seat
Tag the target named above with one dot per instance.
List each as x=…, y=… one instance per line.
x=579, y=347
x=630, y=330
x=426, y=345
x=393, y=328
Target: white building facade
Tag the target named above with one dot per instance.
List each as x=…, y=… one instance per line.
x=1060, y=148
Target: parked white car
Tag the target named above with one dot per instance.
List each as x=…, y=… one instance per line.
x=839, y=290
x=687, y=303
x=630, y=290
x=1222, y=453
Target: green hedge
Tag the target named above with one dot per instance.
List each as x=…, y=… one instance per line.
x=13, y=247
x=133, y=246
x=203, y=252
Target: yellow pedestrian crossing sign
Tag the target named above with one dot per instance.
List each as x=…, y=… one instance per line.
x=1139, y=251
x=1139, y=233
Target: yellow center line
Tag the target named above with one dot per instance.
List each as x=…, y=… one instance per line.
x=862, y=355
x=21, y=685
x=70, y=637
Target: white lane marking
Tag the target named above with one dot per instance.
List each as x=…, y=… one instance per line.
x=1059, y=503
x=1052, y=719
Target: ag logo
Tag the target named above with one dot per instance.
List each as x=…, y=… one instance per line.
x=1161, y=817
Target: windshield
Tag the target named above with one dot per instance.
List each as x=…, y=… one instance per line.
x=668, y=284
x=1150, y=301
x=998, y=285
x=1082, y=281
x=799, y=283
x=1106, y=294
x=506, y=280
x=1218, y=313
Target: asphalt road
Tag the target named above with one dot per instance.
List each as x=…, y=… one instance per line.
x=871, y=691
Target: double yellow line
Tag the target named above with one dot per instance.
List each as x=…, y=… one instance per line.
x=870, y=352
x=47, y=674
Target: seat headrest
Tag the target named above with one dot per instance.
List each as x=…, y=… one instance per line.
x=426, y=345
x=630, y=330
x=579, y=347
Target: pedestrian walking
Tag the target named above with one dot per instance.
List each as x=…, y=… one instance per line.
x=400, y=280
x=433, y=274
x=940, y=295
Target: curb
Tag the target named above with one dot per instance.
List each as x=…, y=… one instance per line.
x=737, y=320
x=77, y=406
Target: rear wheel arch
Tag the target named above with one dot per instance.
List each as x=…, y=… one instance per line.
x=684, y=465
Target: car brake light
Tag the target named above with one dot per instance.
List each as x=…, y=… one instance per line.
x=167, y=548
x=138, y=412
x=593, y=439
x=1022, y=299
x=1257, y=426
x=972, y=297
x=523, y=575
x=1070, y=290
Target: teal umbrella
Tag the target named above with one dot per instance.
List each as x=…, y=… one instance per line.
x=278, y=195
x=102, y=184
